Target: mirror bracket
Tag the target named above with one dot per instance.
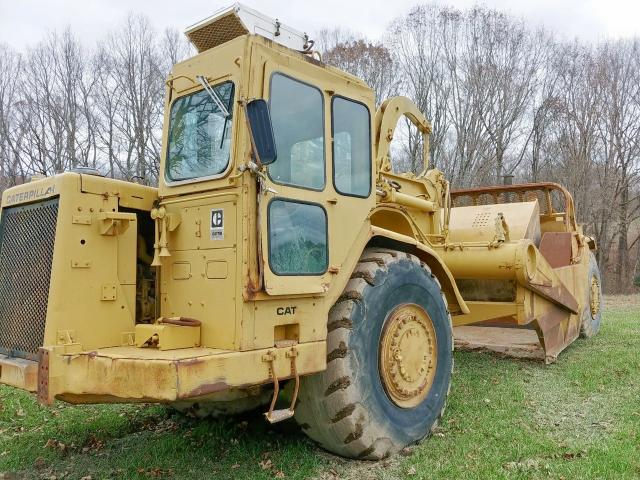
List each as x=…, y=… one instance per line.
x=253, y=168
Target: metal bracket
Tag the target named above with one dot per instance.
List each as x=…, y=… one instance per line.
x=274, y=416
x=115, y=223
x=43, y=377
x=502, y=229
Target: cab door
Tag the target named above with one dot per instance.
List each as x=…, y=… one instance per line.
x=307, y=226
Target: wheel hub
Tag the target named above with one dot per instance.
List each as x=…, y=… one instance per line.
x=594, y=298
x=408, y=355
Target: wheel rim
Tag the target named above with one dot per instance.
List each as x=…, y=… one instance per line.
x=408, y=355
x=594, y=297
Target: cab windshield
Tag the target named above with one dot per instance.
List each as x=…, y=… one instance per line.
x=199, y=134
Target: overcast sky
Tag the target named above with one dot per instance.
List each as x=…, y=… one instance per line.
x=24, y=22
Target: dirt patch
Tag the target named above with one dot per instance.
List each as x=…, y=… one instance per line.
x=622, y=301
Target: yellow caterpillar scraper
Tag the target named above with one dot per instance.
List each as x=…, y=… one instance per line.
x=280, y=248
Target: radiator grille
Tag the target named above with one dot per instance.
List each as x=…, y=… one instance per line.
x=27, y=236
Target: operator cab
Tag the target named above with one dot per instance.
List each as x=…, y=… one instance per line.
x=257, y=99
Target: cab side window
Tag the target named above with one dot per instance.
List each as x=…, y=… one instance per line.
x=351, y=130
x=297, y=115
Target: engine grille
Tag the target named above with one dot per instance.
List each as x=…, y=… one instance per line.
x=27, y=236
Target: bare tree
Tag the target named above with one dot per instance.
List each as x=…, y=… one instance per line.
x=370, y=61
x=54, y=109
x=174, y=47
x=506, y=58
x=619, y=128
x=133, y=56
x=10, y=72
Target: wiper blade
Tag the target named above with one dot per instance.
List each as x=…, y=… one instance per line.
x=209, y=89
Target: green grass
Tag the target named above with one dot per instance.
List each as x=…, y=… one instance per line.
x=577, y=418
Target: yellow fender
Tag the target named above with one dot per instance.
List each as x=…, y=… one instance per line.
x=389, y=239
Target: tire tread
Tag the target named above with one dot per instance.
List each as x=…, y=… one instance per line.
x=329, y=410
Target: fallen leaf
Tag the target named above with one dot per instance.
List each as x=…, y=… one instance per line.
x=20, y=412
x=406, y=451
x=279, y=474
x=411, y=471
x=53, y=443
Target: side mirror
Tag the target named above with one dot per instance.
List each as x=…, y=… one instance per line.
x=262, y=131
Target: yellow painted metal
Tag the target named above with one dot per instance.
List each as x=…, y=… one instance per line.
x=480, y=311
x=475, y=224
x=88, y=259
x=393, y=196
x=130, y=374
x=19, y=372
x=386, y=120
x=548, y=299
x=408, y=355
x=455, y=302
x=166, y=336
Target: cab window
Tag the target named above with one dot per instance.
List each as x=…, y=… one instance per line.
x=351, y=130
x=297, y=238
x=297, y=115
x=199, y=135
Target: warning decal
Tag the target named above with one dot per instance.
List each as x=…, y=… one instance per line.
x=217, y=224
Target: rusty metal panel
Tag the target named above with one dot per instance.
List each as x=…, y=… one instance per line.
x=555, y=247
x=43, y=378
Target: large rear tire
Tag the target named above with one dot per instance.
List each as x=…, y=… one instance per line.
x=389, y=360
x=592, y=310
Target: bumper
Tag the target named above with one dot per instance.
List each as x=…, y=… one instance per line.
x=18, y=372
x=129, y=374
